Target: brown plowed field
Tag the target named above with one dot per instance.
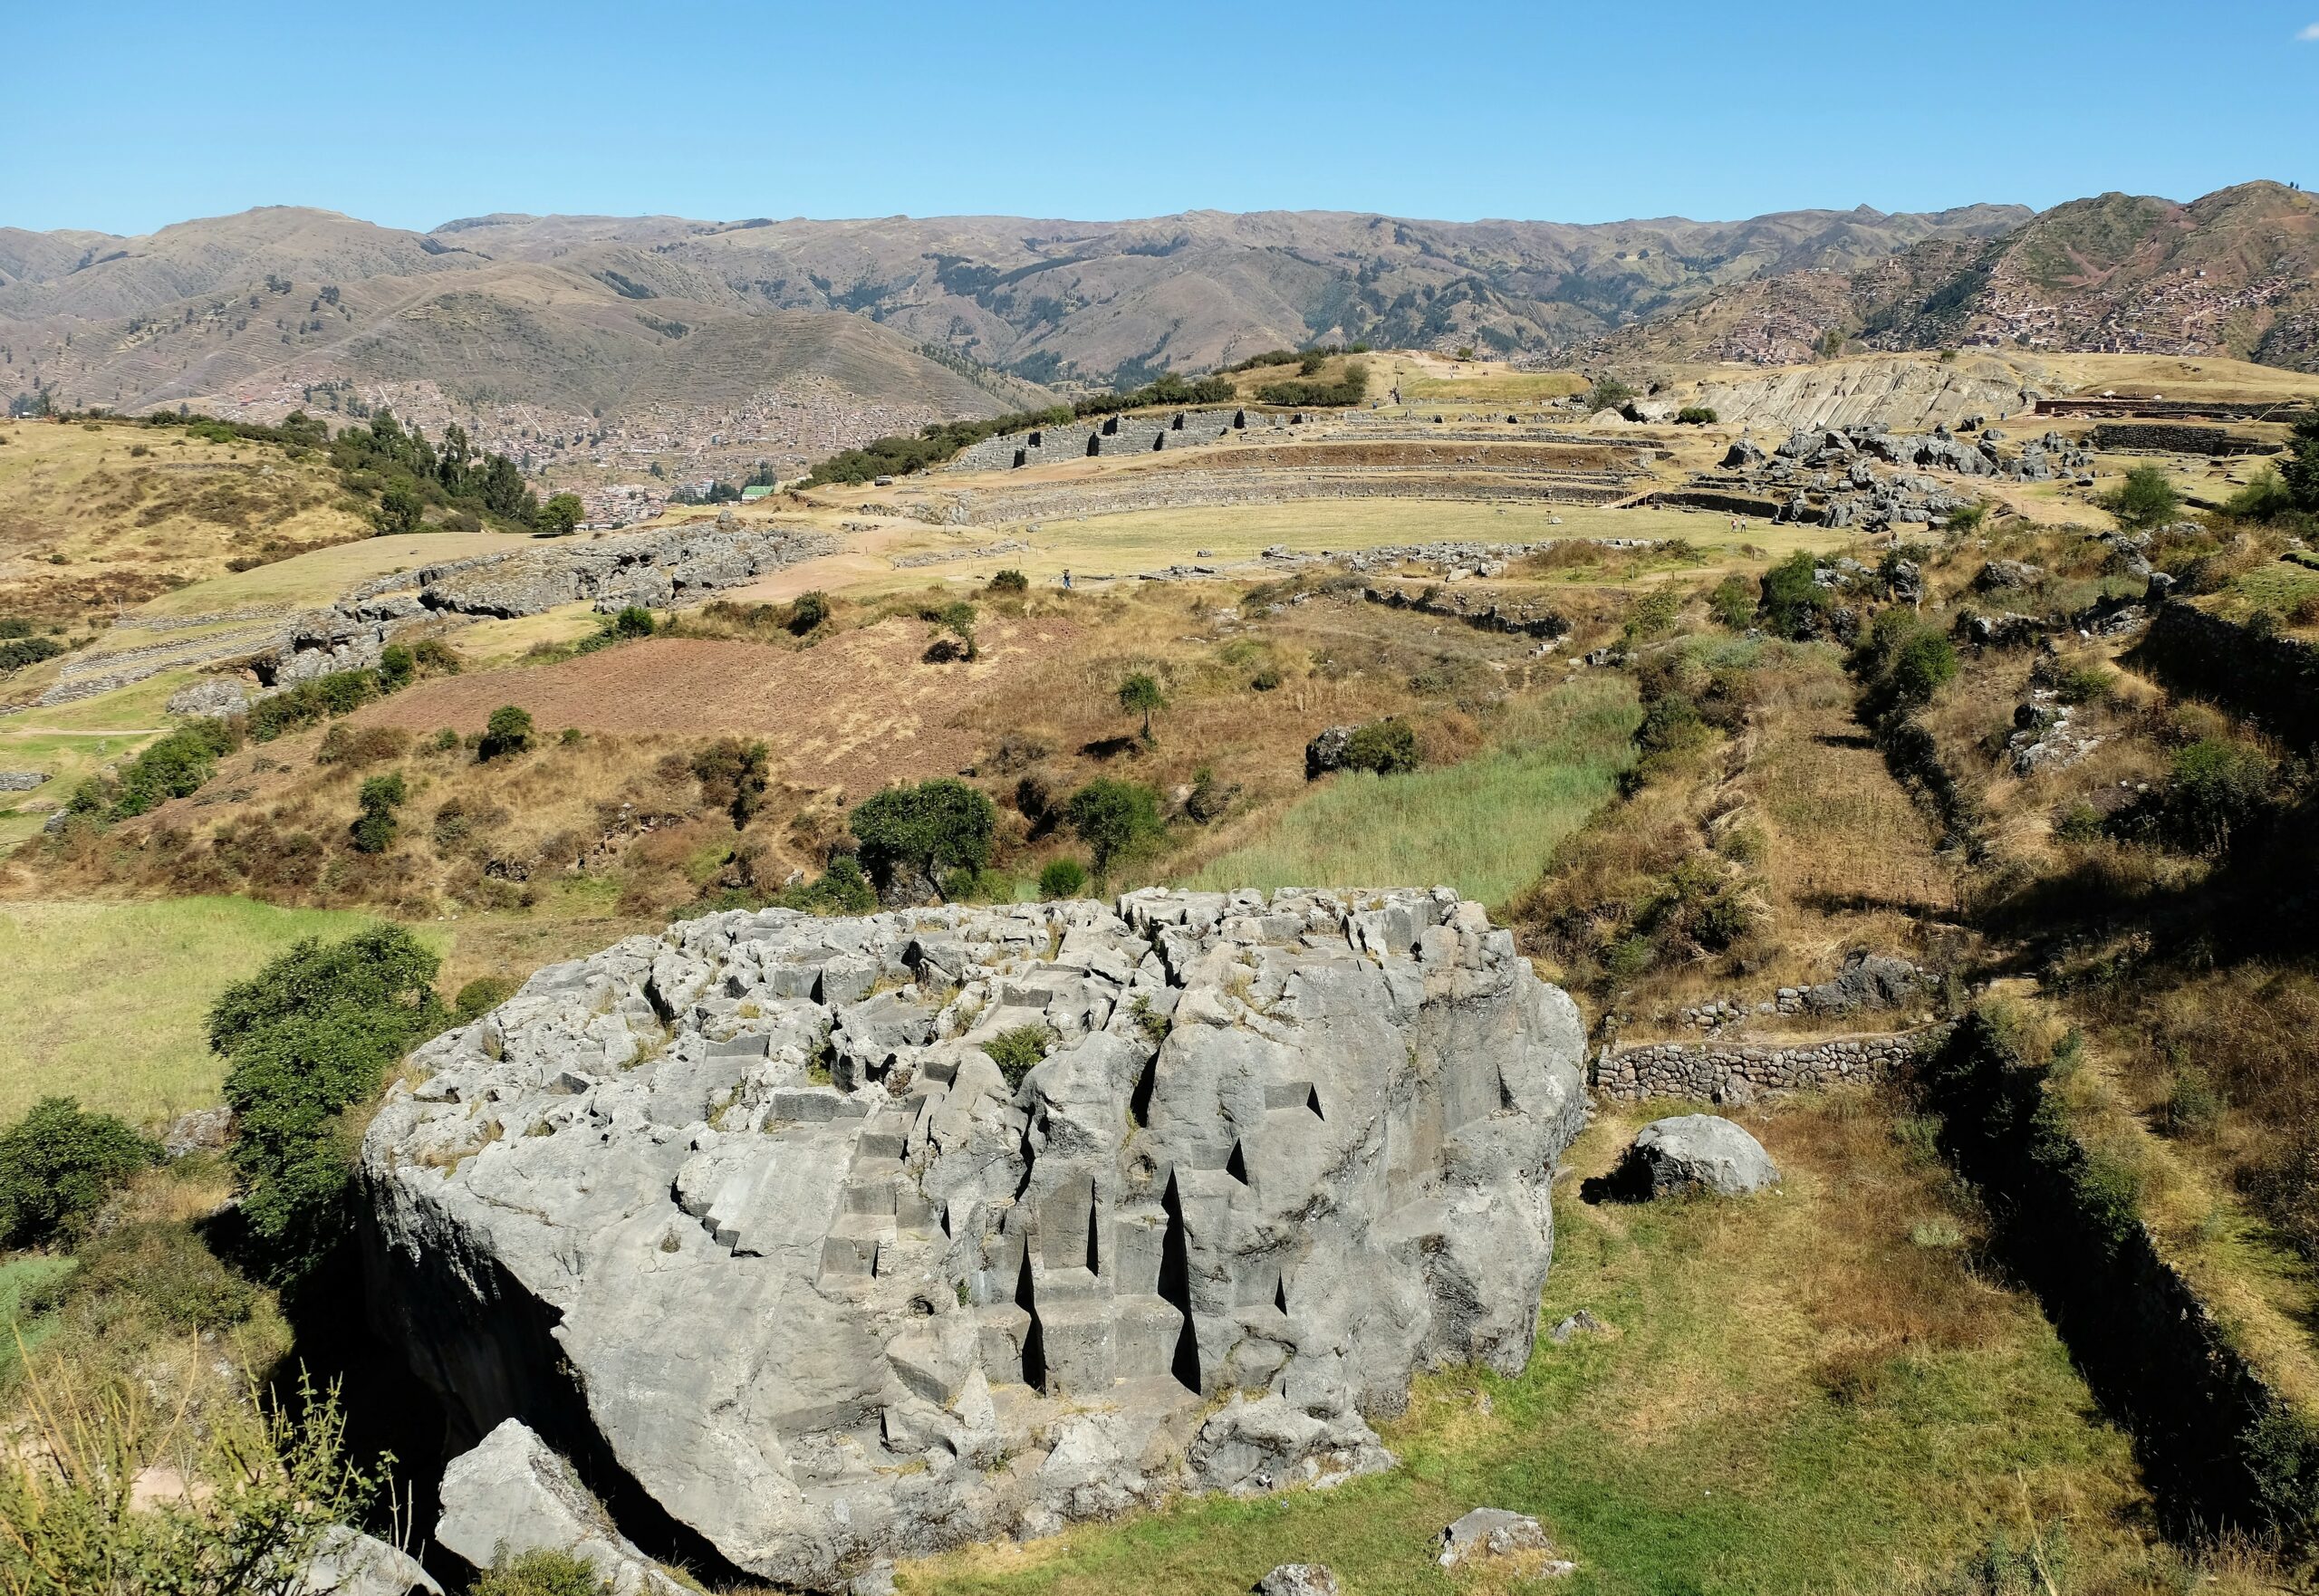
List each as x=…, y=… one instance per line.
x=857, y=711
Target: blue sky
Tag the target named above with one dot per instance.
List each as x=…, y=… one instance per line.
x=128, y=115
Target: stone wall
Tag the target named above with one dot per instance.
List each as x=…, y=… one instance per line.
x=1113, y=436
x=2274, y=680
x=1171, y=490
x=2112, y=435
x=1739, y=1072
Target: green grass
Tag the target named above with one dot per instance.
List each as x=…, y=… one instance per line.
x=104, y=1001
x=2274, y=587
x=1695, y=1447
x=18, y=1275
x=1486, y=826
x=71, y=741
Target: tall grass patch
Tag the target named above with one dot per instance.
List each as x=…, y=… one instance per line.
x=104, y=1001
x=1486, y=825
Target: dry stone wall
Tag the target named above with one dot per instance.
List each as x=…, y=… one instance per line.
x=1740, y=1071
x=1111, y=435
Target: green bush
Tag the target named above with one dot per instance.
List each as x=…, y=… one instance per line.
x=1733, y=602
x=1386, y=747
x=634, y=620
x=479, y=996
x=166, y=1269
x=1350, y=390
x=1010, y=581
x=1795, y=606
x=2082, y=822
x=1695, y=416
x=1115, y=819
x=1672, y=724
x=733, y=776
x=542, y=1572
x=809, y=611
x=2216, y=788
x=340, y=692
x=842, y=889
x=397, y=667
x=560, y=516
x=1264, y=680
x=2084, y=683
x=1017, y=1051
x=174, y=767
x=307, y=1038
x=2266, y=497
x=507, y=732
x=1141, y=694
x=18, y=652
x=1608, y=394
x=1063, y=878
x=57, y=1167
x=2146, y=498
x=928, y=830
x=374, y=828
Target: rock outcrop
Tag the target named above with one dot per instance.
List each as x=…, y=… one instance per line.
x=771, y=1225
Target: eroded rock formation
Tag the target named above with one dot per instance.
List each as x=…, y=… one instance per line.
x=749, y=1221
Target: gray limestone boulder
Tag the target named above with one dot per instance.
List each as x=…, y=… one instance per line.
x=511, y=1495
x=348, y=1562
x=1299, y=1579
x=747, y=1220
x=1867, y=981
x=212, y=696
x=1325, y=752
x=1694, y=1152
x=21, y=781
x=1488, y=1535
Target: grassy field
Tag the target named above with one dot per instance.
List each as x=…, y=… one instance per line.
x=104, y=1001
x=1813, y=1389
x=1485, y=826
x=71, y=741
x=318, y=578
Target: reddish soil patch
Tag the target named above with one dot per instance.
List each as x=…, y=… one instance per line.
x=856, y=711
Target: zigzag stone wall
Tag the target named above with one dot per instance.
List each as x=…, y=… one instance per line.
x=1113, y=436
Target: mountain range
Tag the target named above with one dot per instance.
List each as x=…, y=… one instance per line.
x=568, y=328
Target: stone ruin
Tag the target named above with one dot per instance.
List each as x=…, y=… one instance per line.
x=762, y=1223
x=1861, y=477
x=1109, y=435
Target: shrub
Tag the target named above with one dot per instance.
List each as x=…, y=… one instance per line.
x=374, y=828
x=2265, y=496
x=1114, y=818
x=18, y=652
x=2193, y=1107
x=307, y=1038
x=1794, y=605
x=958, y=620
x=1386, y=747
x=1695, y=416
x=842, y=889
x=2145, y=499
x=733, y=776
x=1264, y=680
x=173, y=767
x=542, y=1572
x=1063, y=878
x=2082, y=822
x=809, y=611
x=2083, y=684
x=507, y=732
x=1671, y=724
x=1017, y=1051
x=323, y=698
x=2216, y=787
x=634, y=620
x=57, y=1167
x=165, y=1268
x=436, y=657
x=397, y=667
x=1010, y=581
x=928, y=830
x=479, y=996
x=1733, y=602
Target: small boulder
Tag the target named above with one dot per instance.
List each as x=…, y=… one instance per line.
x=348, y=1562
x=513, y=1495
x=21, y=781
x=211, y=695
x=1695, y=1153
x=1325, y=752
x=1579, y=1323
x=1488, y=1535
x=199, y=1130
x=1299, y=1578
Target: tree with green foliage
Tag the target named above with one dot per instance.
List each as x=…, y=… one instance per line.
x=2146, y=498
x=397, y=667
x=374, y=827
x=560, y=516
x=1142, y=694
x=399, y=508
x=634, y=620
x=1010, y=581
x=2301, y=475
x=808, y=611
x=57, y=1167
x=507, y=732
x=1115, y=819
x=305, y=1039
x=925, y=831
x=1608, y=394
x=176, y=766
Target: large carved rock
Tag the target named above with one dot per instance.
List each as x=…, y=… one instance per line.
x=746, y=1221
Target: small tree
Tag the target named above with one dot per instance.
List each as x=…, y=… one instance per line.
x=1114, y=818
x=560, y=516
x=2146, y=498
x=1733, y=602
x=1608, y=394
x=809, y=611
x=634, y=620
x=2301, y=477
x=374, y=828
x=508, y=731
x=1063, y=878
x=1141, y=694
x=958, y=620
x=398, y=510
x=1010, y=581
x=1794, y=604
x=937, y=825
x=397, y=667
